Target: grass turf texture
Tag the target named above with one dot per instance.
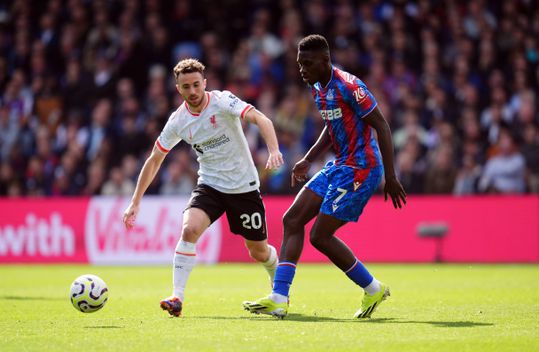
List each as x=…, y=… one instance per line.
x=432, y=308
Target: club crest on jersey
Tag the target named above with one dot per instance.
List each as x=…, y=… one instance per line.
x=213, y=121
x=330, y=95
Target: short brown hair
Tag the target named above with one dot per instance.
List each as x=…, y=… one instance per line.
x=188, y=66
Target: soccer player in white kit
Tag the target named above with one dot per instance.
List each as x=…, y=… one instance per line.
x=228, y=180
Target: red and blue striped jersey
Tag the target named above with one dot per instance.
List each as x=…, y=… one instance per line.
x=343, y=103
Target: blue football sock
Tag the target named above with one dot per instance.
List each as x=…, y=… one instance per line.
x=359, y=274
x=283, y=278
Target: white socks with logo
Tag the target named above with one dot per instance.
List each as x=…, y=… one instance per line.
x=184, y=261
x=271, y=264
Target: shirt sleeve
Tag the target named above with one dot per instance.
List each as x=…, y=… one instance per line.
x=234, y=105
x=361, y=99
x=169, y=136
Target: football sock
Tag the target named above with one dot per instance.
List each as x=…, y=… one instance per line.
x=277, y=298
x=283, y=278
x=361, y=276
x=373, y=287
x=271, y=264
x=184, y=261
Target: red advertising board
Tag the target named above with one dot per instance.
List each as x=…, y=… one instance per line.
x=42, y=230
x=479, y=229
x=152, y=240
x=71, y=230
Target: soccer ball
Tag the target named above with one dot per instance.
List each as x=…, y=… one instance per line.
x=89, y=293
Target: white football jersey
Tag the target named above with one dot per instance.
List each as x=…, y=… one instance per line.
x=217, y=137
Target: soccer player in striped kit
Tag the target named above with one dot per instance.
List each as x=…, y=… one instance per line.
x=338, y=193
x=228, y=180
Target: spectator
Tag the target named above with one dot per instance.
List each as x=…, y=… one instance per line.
x=411, y=129
x=77, y=77
x=467, y=177
x=95, y=178
x=504, y=172
x=92, y=136
x=411, y=178
x=412, y=166
x=530, y=151
x=9, y=131
x=118, y=184
x=174, y=181
x=441, y=175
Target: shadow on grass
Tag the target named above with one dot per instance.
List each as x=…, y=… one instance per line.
x=314, y=318
x=292, y=317
x=28, y=298
x=441, y=324
x=104, y=327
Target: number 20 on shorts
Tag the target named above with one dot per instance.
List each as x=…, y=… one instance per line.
x=253, y=221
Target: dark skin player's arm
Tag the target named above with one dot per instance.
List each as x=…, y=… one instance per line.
x=299, y=171
x=322, y=145
x=393, y=187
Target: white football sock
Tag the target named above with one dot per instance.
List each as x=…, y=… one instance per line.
x=271, y=264
x=278, y=298
x=184, y=261
x=373, y=287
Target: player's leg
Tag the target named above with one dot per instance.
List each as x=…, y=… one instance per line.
x=304, y=208
x=195, y=222
x=349, y=193
x=246, y=216
x=322, y=238
x=265, y=254
x=202, y=210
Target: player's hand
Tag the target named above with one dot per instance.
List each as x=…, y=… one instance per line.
x=130, y=215
x=275, y=160
x=299, y=171
x=395, y=190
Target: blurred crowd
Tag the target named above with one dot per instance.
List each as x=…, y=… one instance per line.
x=86, y=86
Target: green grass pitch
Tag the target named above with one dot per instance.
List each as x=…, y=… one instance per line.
x=432, y=308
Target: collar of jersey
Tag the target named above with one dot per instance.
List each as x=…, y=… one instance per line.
x=204, y=108
x=319, y=87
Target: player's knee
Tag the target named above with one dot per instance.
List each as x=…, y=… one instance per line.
x=258, y=254
x=190, y=233
x=291, y=222
x=317, y=241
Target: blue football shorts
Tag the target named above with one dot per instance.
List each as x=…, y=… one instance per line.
x=345, y=190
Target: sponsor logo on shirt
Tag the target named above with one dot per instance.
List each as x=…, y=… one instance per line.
x=211, y=143
x=360, y=94
x=331, y=114
x=234, y=99
x=198, y=148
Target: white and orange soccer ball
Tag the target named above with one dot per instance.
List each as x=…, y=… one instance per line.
x=89, y=293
